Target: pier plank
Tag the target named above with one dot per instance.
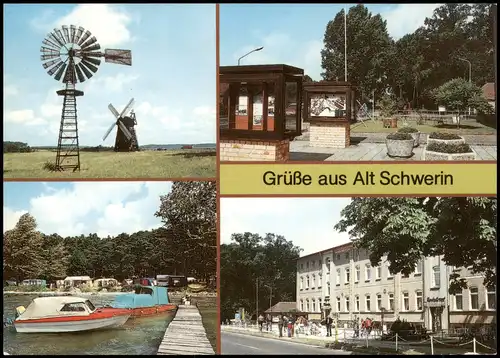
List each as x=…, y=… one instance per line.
x=185, y=335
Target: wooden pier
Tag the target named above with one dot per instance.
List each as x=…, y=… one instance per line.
x=185, y=335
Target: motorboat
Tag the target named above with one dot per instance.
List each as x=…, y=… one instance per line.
x=145, y=301
x=67, y=314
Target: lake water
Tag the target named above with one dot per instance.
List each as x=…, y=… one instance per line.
x=141, y=336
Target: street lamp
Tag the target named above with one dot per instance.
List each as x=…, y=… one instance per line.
x=248, y=53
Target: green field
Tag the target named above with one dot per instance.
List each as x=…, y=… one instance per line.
x=187, y=163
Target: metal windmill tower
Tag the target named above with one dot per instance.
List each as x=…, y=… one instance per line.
x=72, y=55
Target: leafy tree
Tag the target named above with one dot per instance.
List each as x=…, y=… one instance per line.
x=22, y=250
x=459, y=94
x=253, y=262
x=54, y=256
x=368, y=50
x=460, y=230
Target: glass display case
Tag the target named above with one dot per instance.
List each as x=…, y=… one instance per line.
x=328, y=101
x=260, y=102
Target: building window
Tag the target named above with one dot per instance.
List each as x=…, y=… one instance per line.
x=307, y=282
x=328, y=288
x=389, y=274
x=474, y=298
x=368, y=272
x=356, y=303
x=328, y=265
x=490, y=298
x=307, y=264
x=347, y=308
x=307, y=305
x=436, y=277
x=319, y=263
x=391, y=302
x=338, y=304
x=379, y=302
x=368, y=303
x=406, y=301
x=313, y=281
x=459, y=301
x=358, y=274
x=313, y=263
x=378, y=273
x=301, y=283
x=419, y=300
x=347, y=275
x=320, y=304
x=338, y=277
x=314, y=305
x=347, y=256
x=301, y=266
x=338, y=257
x=418, y=268
x=301, y=306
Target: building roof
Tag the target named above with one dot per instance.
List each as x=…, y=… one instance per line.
x=489, y=91
x=282, y=307
x=42, y=307
x=77, y=278
x=336, y=250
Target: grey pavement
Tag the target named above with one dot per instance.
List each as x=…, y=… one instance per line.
x=242, y=344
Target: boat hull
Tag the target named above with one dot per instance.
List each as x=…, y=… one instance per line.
x=93, y=322
x=150, y=311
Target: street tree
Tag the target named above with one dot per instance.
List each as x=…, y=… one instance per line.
x=251, y=266
x=459, y=94
x=460, y=230
x=368, y=50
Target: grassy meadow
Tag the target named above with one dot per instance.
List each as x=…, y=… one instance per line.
x=188, y=163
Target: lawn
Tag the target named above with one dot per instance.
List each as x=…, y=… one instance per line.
x=187, y=163
x=467, y=127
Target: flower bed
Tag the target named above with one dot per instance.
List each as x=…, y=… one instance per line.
x=444, y=138
x=414, y=132
x=446, y=151
x=399, y=145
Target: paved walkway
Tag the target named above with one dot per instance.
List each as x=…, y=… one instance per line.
x=300, y=150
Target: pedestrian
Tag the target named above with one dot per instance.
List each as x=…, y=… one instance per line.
x=280, y=325
x=329, y=322
x=290, y=327
x=260, y=322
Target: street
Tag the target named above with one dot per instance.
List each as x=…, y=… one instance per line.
x=236, y=343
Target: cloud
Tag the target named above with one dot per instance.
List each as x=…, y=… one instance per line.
x=403, y=19
x=116, y=83
x=108, y=23
x=10, y=90
x=10, y=218
x=23, y=116
x=105, y=208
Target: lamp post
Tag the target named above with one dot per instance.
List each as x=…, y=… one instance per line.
x=248, y=53
x=470, y=71
x=257, y=301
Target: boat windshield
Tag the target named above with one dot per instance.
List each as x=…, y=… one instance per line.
x=90, y=305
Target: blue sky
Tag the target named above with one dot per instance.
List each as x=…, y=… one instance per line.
x=172, y=76
x=307, y=222
x=293, y=33
x=74, y=208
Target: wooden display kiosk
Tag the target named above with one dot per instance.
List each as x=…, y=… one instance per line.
x=260, y=111
x=328, y=108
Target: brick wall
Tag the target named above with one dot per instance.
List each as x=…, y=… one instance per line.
x=330, y=135
x=254, y=150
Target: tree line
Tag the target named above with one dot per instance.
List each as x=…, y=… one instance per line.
x=415, y=65
x=185, y=244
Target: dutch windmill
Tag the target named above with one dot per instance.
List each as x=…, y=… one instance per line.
x=126, y=138
x=71, y=55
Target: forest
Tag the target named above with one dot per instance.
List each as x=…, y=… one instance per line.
x=185, y=244
x=456, y=42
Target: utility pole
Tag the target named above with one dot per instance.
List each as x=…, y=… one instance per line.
x=257, y=300
x=345, y=43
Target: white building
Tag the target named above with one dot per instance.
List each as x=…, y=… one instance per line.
x=344, y=277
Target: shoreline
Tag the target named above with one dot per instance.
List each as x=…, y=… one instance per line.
x=55, y=293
